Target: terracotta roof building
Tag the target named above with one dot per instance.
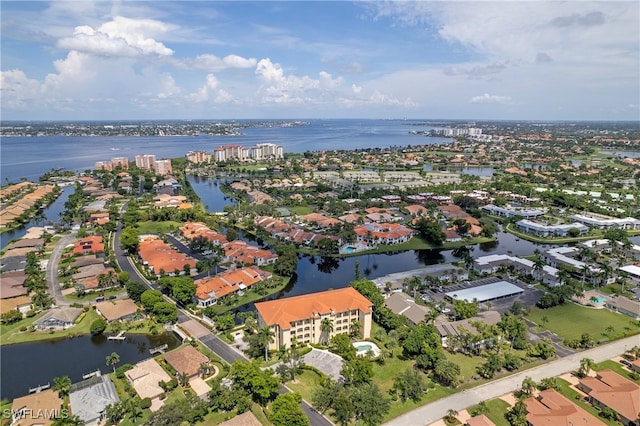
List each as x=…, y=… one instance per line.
x=92, y=244
x=186, y=360
x=609, y=389
x=159, y=256
x=36, y=409
x=300, y=317
x=480, y=420
x=383, y=233
x=210, y=289
x=551, y=408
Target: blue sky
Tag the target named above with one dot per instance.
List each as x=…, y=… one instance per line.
x=84, y=60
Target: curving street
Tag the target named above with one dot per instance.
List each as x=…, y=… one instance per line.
x=53, y=283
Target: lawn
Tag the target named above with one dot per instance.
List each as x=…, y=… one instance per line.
x=93, y=295
x=497, y=409
x=467, y=364
x=418, y=243
x=248, y=297
x=570, y=321
x=10, y=334
x=300, y=210
x=158, y=227
x=306, y=384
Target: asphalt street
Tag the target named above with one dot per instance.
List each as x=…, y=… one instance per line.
x=429, y=413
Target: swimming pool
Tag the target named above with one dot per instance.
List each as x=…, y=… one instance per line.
x=349, y=249
x=364, y=347
x=599, y=299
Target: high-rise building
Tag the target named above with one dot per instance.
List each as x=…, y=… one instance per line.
x=231, y=152
x=123, y=162
x=146, y=161
x=198, y=156
x=267, y=151
x=163, y=167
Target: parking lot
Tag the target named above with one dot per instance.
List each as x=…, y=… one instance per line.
x=528, y=298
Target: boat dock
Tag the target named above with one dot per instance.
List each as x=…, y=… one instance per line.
x=39, y=388
x=120, y=336
x=158, y=349
x=96, y=373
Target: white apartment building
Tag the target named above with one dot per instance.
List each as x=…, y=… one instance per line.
x=267, y=151
x=163, y=167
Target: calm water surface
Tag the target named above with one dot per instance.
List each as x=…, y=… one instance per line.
x=28, y=365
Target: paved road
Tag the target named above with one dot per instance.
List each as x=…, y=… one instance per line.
x=53, y=283
x=429, y=413
x=213, y=342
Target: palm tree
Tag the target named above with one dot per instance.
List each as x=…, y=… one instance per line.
x=265, y=336
x=451, y=415
x=354, y=328
x=326, y=327
x=62, y=385
x=183, y=379
x=250, y=325
x=112, y=360
x=544, y=320
x=586, y=365
x=528, y=386
x=538, y=265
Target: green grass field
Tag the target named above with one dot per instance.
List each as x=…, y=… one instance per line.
x=570, y=321
x=497, y=409
x=10, y=334
x=306, y=383
x=158, y=227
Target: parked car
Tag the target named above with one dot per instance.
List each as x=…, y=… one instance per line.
x=625, y=362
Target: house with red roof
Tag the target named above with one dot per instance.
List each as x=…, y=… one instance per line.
x=209, y=290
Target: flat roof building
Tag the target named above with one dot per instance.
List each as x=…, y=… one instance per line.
x=483, y=293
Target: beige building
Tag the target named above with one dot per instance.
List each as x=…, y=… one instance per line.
x=301, y=317
x=36, y=409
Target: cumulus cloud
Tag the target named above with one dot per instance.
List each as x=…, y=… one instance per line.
x=119, y=37
x=17, y=89
x=491, y=99
x=210, y=91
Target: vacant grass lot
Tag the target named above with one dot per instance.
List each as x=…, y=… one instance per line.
x=570, y=321
x=158, y=227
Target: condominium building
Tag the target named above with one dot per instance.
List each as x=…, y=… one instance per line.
x=512, y=212
x=267, y=151
x=542, y=230
x=599, y=221
x=123, y=162
x=163, y=167
x=146, y=161
x=301, y=318
x=198, y=156
x=231, y=152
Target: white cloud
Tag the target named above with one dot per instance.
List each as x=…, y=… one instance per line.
x=119, y=37
x=491, y=99
x=17, y=90
x=210, y=92
x=212, y=63
x=356, y=89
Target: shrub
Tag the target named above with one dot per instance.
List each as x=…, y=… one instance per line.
x=98, y=327
x=145, y=403
x=122, y=369
x=23, y=328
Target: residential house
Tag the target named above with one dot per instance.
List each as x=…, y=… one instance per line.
x=480, y=420
x=88, y=399
x=623, y=305
x=145, y=377
x=552, y=408
x=18, y=303
x=122, y=309
x=186, y=360
x=91, y=244
x=209, y=290
x=58, y=319
x=38, y=408
x=609, y=389
x=403, y=304
x=247, y=254
x=301, y=317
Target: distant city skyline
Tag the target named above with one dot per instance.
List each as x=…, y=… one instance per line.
x=84, y=60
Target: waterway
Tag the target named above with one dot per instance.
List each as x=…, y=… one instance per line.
x=51, y=213
x=28, y=365
x=208, y=189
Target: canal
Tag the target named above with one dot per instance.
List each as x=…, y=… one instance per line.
x=28, y=365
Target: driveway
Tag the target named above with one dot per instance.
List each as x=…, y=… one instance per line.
x=429, y=413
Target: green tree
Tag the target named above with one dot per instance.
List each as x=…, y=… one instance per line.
x=98, y=326
x=285, y=411
x=326, y=327
x=341, y=345
x=149, y=298
x=165, y=312
x=287, y=262
x=409, y=384
x=62, y=385
x=370, y=405
x=586, y=365
x=357, y=371
x=112, y=360
x=130, y=239
x=135, y=290
x=463, y=309
x=261, y=385
x=430, y=230
x=447, y=372
x=265, y=337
